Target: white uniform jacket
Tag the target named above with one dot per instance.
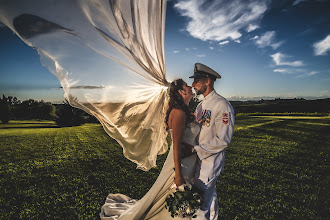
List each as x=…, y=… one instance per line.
x=216, y=116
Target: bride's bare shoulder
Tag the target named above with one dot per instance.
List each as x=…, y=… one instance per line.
x=176, y=115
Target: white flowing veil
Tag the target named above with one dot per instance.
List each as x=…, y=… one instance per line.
x=109, y=58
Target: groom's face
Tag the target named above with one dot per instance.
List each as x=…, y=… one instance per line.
x=199, y=85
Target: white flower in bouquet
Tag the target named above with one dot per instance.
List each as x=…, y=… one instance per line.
x=185, y=201
x=182, y=187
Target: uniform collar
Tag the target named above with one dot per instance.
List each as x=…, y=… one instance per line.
x=210, y=95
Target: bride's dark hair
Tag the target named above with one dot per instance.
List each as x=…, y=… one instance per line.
x=177, y=102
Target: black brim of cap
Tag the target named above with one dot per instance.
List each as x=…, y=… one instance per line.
x=199, y=75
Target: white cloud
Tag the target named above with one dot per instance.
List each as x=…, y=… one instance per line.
x=267, y=39
x=284, y=71
x=195, y=48
x=211, y=48
x=322, y=47
x=201, y=55
x=221, y=19
x=276, y=45
x=224, y=42
x=176, y=51
x=297, y=2
x=288, y=71
x=187, y=49
x=302, y=72
x=279, y=60
x=251, y=27
x=255, y=37
x=237, y=41
x=312, y=73
x=308, y=74
x=280, y=70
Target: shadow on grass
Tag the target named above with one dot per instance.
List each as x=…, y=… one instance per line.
x=25, y=127
x=28, y=125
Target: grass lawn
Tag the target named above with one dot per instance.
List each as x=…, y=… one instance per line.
x=276, y=168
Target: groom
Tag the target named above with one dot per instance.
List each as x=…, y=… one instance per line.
x=216, y=117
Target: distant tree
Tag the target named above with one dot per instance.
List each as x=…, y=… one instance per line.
x=4, y=110
x=12, y=101
x=31, y=109
x=67, y=116
x=48, y=111
x=43, y=110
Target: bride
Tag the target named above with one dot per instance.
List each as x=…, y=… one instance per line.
x=109, y=58
x=175, y=172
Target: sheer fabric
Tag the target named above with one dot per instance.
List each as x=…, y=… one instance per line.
x=109, y=58
x=152, y=205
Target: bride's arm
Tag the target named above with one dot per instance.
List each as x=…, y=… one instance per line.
x=178, y=119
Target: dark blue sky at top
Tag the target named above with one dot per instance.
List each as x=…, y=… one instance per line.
x=247, y=69
x=251, y=68
x=299, y=25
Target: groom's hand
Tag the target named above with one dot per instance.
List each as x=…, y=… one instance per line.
x=187, y=150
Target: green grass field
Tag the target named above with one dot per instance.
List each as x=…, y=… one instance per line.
x=276, y=168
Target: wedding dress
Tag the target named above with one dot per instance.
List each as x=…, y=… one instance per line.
x=109, y=58
x=152, y=205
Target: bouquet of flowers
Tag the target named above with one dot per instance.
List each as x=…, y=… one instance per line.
x=185, y=201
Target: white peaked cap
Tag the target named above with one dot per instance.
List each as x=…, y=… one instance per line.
x=202, y=70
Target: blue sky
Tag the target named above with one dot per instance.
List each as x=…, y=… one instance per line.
x=262, y=49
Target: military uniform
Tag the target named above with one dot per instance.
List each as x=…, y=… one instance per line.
x=216, y=117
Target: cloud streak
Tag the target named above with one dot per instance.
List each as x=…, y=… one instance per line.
x=297, y=2
x=255, y=37
x=86, y=87
x=267, y=40
x=220, y=20
x=322, y=47
x=279, y=60
x=312, y=73
x=284, y=71
x=289, y=71
x=224, y=42
x=251, y=27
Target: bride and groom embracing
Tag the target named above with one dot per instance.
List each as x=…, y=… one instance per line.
x=196, y=155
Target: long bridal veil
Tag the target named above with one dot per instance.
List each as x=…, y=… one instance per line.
x=109, y=58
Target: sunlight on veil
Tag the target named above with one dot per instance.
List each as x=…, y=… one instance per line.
x=109, y=58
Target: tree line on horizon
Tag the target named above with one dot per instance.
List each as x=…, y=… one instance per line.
x=279, y=105
x=65, y=115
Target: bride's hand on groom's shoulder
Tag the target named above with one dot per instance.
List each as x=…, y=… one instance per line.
x=186, y=150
